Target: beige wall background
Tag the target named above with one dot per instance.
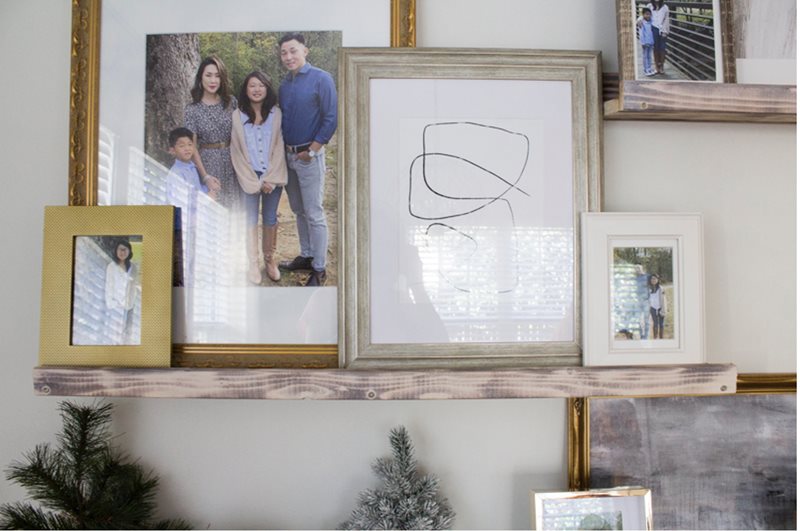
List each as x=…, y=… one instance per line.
x=259, y=464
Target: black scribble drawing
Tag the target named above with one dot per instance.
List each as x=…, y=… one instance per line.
x=469, y=175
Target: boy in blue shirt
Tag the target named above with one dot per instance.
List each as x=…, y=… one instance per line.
x=183, y=171
x=647, y=40
x=183, y=188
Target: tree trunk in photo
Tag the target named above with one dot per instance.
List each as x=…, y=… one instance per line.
x=172, y=61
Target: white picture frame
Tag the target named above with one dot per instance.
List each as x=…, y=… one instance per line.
x=616, y=508
x=630, y=317
x=392, y=293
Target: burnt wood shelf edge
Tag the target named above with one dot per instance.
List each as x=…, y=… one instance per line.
x=341, y=384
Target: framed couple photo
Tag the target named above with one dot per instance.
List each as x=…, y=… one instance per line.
x=134, y=68
x=676, y=41
x=643, y=298
x=707, y=60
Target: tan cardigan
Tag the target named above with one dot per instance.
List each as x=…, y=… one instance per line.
x=276, y=173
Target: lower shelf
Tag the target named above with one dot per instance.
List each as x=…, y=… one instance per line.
x=339, y=384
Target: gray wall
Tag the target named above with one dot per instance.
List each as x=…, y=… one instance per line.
x=258, y=464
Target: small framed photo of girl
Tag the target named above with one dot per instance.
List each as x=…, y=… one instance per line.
x=107, y=290
x=644, y=289
x=107, y=286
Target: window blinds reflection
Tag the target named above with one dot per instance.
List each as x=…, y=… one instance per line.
x=585, y=513
x=93, y=323
x=211, y=245
x=491, y=284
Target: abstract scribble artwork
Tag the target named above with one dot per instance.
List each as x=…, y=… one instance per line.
x=472, y=219
x=451, y=188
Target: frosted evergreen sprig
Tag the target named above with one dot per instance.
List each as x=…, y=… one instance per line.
x=407, y=500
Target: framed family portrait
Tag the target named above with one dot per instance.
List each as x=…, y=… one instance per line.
x=106, y=286
x=615, y=508
x=643, y=288
x=461, y=219
x=711, y=462
x=158, y=93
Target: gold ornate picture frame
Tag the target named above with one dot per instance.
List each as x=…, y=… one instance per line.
x=86, y=157
x=759, y=419
x=107, y=286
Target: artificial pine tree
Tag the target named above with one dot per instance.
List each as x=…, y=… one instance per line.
x=406, y=500
x=84, y=482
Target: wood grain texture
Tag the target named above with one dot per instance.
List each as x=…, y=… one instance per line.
x=327, y=384
x=708, y=97
x=765, y=29
x=659, y=100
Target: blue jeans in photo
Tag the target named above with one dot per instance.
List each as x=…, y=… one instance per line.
x=306, y=189
x=647, y=58
x=269, y=206
x=658, y=323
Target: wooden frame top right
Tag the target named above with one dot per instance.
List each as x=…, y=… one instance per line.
x=677, y=62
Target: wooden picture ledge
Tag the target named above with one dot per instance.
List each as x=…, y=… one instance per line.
x=698, y=102
x=339, y=384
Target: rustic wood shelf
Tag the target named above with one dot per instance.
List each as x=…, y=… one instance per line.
x=718, y=102
x=339, y=384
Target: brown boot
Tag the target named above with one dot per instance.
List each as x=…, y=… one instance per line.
x=268, y=244
x=253, y=269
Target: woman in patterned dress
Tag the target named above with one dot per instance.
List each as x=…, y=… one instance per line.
x=209, y=118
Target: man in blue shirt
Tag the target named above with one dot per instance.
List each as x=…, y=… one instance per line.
x=308, y=102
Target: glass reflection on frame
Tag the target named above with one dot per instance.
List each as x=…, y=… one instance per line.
x=107, y=290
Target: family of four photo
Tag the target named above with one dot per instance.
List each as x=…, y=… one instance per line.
x=242, y=150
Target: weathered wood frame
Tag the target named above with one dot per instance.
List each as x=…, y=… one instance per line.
x=578, y=436
x=694, y=101
x=83, y=161
x=357, y=67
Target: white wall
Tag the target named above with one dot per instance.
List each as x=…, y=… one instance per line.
x=257, y=464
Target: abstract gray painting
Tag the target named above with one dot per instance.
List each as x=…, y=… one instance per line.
x=713, y=462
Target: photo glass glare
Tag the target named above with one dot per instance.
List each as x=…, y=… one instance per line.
x=107, y=290
x=643, y=293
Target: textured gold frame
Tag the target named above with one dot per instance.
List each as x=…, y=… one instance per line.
x=538, y=499
x=61, y=225
x=578, y=423
x=83, y=159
